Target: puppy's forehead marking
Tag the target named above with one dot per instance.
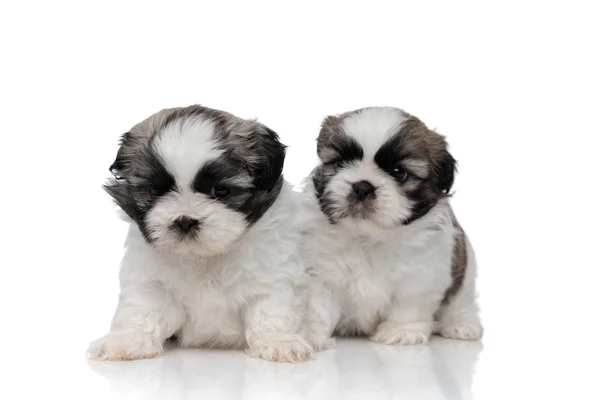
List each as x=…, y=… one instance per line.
x=371, y=127
x=185, y=145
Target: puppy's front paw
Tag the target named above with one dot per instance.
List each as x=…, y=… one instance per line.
x=121, y=346
x=407, y=334
x=468, y=331
x=323, y=344
x=282, y=348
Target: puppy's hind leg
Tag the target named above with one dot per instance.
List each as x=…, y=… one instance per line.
x=409, y=320
x=458, y=317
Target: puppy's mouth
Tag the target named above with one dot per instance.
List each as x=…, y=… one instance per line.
x=360, y=211
x=360, y=207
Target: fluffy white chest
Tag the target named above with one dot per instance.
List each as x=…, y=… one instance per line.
x=371, y=274
x=212, y=317
x=366, y=278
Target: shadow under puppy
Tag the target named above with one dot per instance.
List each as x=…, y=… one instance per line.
x=386, y=255
x=211, y=254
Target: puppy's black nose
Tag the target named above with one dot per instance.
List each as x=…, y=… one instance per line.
x=363, y=189
x=185, y=224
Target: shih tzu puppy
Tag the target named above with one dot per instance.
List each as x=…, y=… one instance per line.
x=210, y=256
x=385, y=253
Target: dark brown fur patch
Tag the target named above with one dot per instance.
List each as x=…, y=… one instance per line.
x=331, y=127
x=328, y=127
x=421, y=142
x=459, y=261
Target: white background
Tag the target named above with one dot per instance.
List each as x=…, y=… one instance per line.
x=514, y=87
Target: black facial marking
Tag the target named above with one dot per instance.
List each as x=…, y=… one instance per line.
x=423, y=198
x=158, y=180
x=414, y=140
x=346, y=149
x=142, y=181
x=437, y=186
x=249, y=190
x=336, y=150
x=215, y=180
x=390, y=155
x=217, y=172
x=321, y=178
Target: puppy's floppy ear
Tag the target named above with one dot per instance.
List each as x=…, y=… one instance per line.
x=118, y=188
x=122, y=161
x=268, y=167
x=446, y=169
x=329, y=126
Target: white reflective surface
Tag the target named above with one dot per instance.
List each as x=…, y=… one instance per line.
x=356, y=369
x=504, y=366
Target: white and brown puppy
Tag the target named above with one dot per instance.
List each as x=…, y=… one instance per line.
x=386, y=255
x=211, y=254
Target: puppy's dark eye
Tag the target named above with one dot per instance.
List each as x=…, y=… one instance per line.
x=400, y=174
x=338, y=164
x=155, y=190
x=219, y=192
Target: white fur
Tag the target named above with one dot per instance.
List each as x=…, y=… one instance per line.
x=380, y=123
x=229, y=287
x=185, y=146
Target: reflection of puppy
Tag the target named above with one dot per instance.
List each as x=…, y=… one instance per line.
x=442, y=370
x=386, y=254
x=210, y=256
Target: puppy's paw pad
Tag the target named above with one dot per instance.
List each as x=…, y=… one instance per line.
x=397, y=334
x=122, y=346
x=462, y=331
x=288, y=348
